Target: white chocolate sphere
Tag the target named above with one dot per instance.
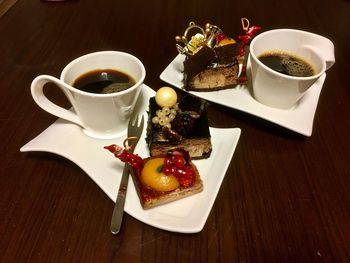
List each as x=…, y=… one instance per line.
x=166, y=97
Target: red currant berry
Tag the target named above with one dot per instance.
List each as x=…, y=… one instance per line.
x=179, y=161
x=167, y=170
x=220, y=37
x=168, y=161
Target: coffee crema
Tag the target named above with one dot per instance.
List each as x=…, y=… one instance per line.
x=287, y=64
x=104, y=81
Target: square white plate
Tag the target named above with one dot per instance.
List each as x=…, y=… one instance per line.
x=298, y=119
x=187, y=215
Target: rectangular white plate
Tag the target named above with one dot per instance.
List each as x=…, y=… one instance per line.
x=187, y=215
x=298, y=119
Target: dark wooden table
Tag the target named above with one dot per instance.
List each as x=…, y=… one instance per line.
x=285, y=197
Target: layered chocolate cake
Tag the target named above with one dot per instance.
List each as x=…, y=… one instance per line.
x=212, y=59
x=181, y=125
x=212, y=68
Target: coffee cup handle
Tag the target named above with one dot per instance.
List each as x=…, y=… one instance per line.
x=37, y=90
x=324, y=48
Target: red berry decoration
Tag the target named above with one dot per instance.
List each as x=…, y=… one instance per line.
x=123, y=154
x=220, y=37
x=167, y=170
x=177, y=163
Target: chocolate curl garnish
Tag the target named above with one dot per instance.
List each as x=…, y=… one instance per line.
x=250, y=32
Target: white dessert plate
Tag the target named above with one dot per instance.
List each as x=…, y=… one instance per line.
x=187, y=215
x=298, y=119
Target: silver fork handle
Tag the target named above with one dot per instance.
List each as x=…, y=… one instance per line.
x=118, y=210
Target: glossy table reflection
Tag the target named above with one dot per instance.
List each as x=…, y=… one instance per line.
x=284, y=198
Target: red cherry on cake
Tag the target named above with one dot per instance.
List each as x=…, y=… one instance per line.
x=179, y=161
x=220, y=37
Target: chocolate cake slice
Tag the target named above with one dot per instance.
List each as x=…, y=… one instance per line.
x=212, y=68
x=189, y=129
x=212, y=58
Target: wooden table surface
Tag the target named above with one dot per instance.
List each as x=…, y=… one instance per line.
x=285, y=197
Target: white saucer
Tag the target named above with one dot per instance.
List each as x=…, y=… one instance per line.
x=298, y=119
x=187, y=215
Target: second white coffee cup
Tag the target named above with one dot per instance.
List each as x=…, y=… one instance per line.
x=101, y=116
x=277, y=89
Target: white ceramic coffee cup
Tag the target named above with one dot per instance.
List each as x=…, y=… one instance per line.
x=101, y=116
x=277, y=89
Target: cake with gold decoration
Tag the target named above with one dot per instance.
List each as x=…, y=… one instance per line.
x=212, y=59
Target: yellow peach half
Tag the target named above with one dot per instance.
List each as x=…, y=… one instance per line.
x=152, y=176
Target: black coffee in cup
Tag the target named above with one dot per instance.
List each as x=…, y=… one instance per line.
x=104, y=81
x=287, y=64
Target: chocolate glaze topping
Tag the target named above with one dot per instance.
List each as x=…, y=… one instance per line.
x=188, y=103
x=206, y=57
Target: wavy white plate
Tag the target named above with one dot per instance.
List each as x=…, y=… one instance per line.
x=187, y=215
x=298, y=119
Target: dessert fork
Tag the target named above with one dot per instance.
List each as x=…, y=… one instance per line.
x=134, y=130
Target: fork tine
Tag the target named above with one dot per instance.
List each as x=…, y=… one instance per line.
x=132, y=121
x=136, y=125
x=136, y=120
x=142, y=121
